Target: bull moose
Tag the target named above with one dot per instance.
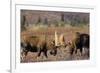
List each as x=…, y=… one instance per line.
x=37, y=44
x=80, y=42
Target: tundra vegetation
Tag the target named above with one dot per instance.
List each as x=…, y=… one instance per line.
x=54, y=36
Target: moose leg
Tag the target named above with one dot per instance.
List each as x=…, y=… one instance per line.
x=45, y=53
x=22, y=55
x=39, y=52
x=72, y=51
x=75, y=51
x=55, y=52
x=81, y=51
x=25, y=53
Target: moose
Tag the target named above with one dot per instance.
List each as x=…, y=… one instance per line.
x=81, y=41
x=37, y=44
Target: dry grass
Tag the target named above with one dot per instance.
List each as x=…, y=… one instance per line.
x=63, y=54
